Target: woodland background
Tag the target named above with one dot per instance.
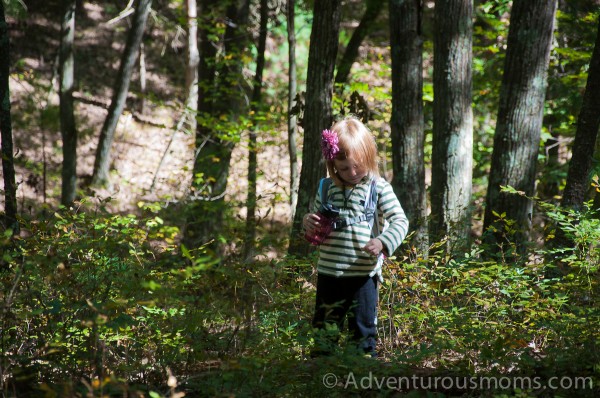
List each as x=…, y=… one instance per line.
x=180, y=270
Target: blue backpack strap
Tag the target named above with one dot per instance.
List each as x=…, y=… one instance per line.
x=324, y=184
x=371, y=208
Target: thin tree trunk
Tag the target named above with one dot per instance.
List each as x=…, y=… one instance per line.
x=452, y=159
x=207, y=76
x=407, y=119
x=292, y=118
x=318, y=113
x=193, y=60
x=519, y=122
x=67, y=116
x=252, y=144
x=595, y=194
x=588, y=123
x=8, y=164
x=143, y=79
x=128, y=60
x=187, y=120
x=366, y=25
x=220, y=98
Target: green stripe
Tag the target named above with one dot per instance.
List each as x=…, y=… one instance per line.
x=345, y=257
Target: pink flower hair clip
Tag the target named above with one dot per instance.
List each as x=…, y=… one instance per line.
x=329, y=144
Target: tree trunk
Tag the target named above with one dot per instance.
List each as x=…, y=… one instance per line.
x=366, y=25
x=143, y=80
x=292, y=118
x=193, y=60
x=318, y=113
x=187, y=120
x=220, y=99
x=407, y=119
x=128, y=60
x=207, y=76
x=8, y=164
x=67, y=116
x=519, y=122
x=252, y=144
x=452, y=152
x=588, y=123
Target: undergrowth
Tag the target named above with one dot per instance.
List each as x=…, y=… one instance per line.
x=97, y=304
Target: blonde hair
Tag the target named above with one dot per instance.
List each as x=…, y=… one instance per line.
x=356, y=141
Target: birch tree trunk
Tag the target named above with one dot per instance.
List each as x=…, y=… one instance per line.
x=292, y=118
x=193, y=60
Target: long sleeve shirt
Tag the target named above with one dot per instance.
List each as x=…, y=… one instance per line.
x=341, y=253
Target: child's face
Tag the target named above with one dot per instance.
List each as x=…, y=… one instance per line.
x=350, y=170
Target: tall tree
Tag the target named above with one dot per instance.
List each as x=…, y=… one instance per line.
x=252, y=144
x=365, y=26
x=452, y=149
x=67, y=116
x=292, y=117
x=187, y=119
x=221, y=96
x=519, y=122
x=207, y=77
x=121, y=88
x=322, y=53
x=588, y=123
x=407, y=120
x=193, y=59
x=8, y=164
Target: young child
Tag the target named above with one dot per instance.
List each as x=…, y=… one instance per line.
x=350, y=259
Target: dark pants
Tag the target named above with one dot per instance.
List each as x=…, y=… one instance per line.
x=354, y=297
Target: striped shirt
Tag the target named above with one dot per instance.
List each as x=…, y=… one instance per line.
x=340, y=254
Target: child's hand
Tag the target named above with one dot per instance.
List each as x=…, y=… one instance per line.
x=311, y=222
x=373, y=247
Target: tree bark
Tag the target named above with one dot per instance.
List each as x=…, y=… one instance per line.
x=407, y=119
x=292, y=118
x=128, y=60
x=519, y=122
x=8, y=166
x=318, y=113
x=67, y=116
x=207, y=78
x=588, y=123
x=193, y=60
x=452, y=149
x=365, y=26
x=187, y=119
x=252, y=144
x=220, y=102
x=143, y=80
x=8, y=163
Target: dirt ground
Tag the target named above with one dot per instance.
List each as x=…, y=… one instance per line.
x=142, y=141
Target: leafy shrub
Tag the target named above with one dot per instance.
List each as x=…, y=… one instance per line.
x=92, y=305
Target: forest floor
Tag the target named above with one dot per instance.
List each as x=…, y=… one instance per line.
x=150, y=160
